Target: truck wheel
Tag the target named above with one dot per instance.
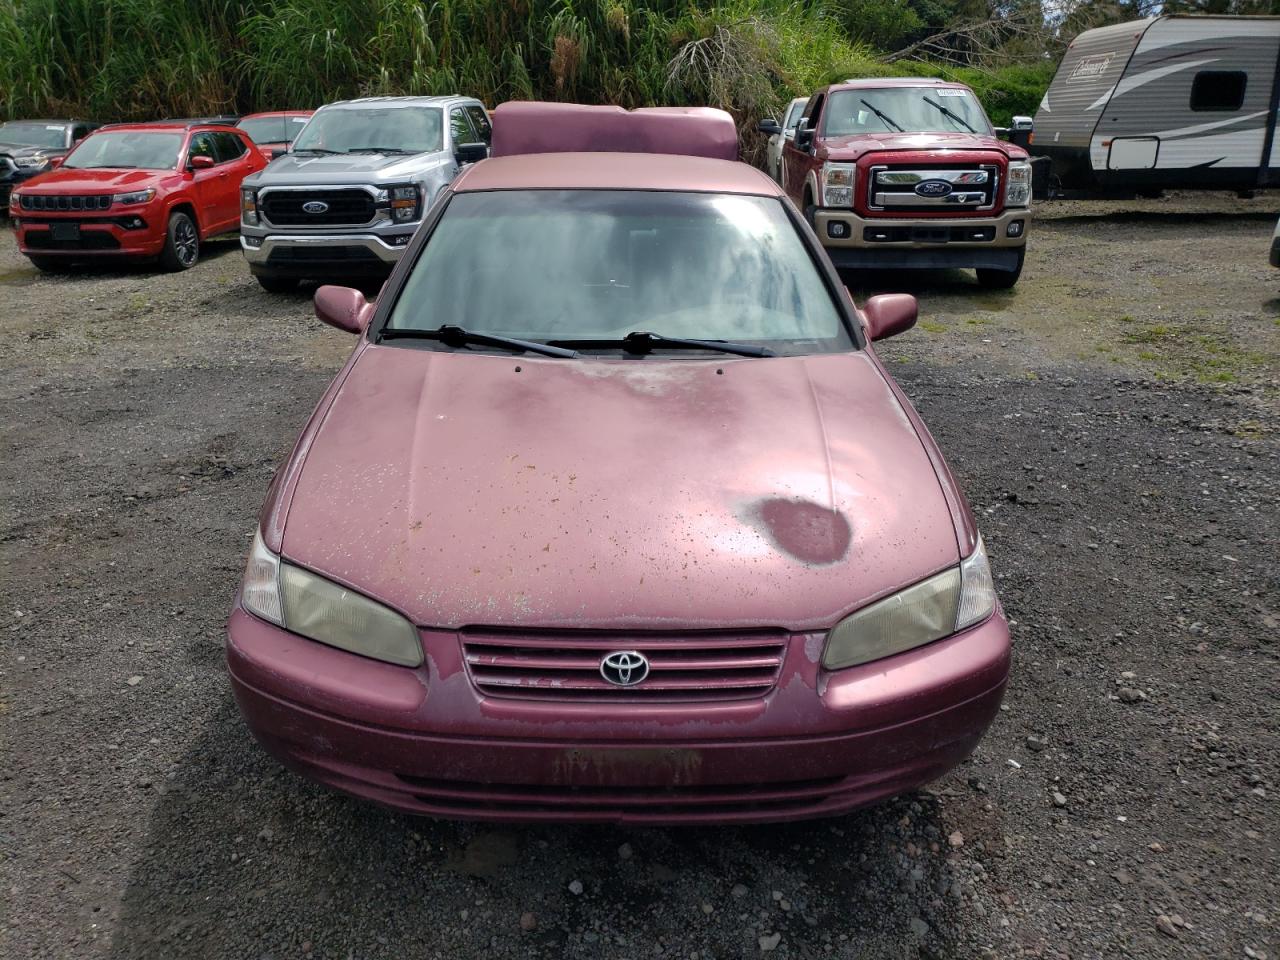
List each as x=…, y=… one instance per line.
x=276, y=284
x=181, y=244
x=1001, y=279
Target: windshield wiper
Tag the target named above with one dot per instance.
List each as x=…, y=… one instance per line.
x=888, y=122
x=315, y=150
x=642, y=341
x=949, y=113
x=455, y=336
x=378, y=150
x=106, y=166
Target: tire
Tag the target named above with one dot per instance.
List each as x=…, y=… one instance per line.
x=1001, y=279
x=276, y=284
x=181, y=243
x=46, y=264
x=810, y=211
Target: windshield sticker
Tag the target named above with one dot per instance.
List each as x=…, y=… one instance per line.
x=1090, y=68
x=947, y=92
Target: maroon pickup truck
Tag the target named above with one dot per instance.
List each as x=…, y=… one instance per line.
x=909, y=173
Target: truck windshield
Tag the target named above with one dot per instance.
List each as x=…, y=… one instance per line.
x=596, y=265
x=34, y=134
x=358, y=129
x=914, y=109
x=272, y=129
x=126, y=149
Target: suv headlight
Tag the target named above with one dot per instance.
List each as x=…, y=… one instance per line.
x=325, y=611
x=837, y=184
x=31, y=164
x=406, y=204
x=930, y=610
x=249, y=207
x=138, y=196
x=1018, y=192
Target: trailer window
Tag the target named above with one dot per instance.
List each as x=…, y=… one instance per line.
x=1218, y=90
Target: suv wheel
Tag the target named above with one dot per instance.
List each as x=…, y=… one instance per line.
x=1001, y=279
x=181, y=245
x=276, y=284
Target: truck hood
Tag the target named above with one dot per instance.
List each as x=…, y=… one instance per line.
x=677, y=494
x=63, y=180
x=27, y=150
x=853, y=147
x=303, y=169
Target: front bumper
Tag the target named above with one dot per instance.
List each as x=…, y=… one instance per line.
x=425, y=741
x=98, y=235
x=855, y=241
x=320, y=255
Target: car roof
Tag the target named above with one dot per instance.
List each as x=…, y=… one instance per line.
x=882, y=82
x=615, y=171
x=401, y=101
x=42, y=120
x=268, y=114
x=169, y=126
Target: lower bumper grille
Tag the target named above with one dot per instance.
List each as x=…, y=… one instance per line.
x=88, y=240
x=567, y=666
x=928, y=234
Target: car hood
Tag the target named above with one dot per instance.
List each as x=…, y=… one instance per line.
x=300, y=169
x=850, y=148
x=106, y=180
x=486, y=490
x=27, y=150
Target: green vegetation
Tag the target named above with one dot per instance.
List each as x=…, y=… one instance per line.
x=139, y=59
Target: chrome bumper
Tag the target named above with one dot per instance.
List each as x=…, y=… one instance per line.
x=366, y=241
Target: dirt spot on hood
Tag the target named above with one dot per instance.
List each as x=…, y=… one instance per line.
x=809, y=532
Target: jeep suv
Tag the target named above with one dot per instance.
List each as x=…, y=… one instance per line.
x=29, y=147
x=910, y=173
x=136, y=190
x=356, y=182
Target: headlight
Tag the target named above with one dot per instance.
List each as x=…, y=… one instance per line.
x=325, y=611
x=30, y=163
x=15, y=200
x=837, y=184
x=1018, y=192
x=927, y=611
x=249, y=207
x=138, y=196
x=405, y=204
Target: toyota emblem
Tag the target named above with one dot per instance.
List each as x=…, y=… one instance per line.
x=315, y=206
x=624, y=668
x=933, y=188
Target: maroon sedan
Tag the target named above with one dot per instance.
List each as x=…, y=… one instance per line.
x=614, y=514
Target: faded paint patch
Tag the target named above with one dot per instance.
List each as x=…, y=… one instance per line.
x=811, y=533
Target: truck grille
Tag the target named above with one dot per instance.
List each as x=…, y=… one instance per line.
x=682, y=666
x=958, y=188
x=65, y=202
x=286, y=208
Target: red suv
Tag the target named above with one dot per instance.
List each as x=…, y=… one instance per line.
x=145, y=190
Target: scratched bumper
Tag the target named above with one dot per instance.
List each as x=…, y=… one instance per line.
x=425, y=741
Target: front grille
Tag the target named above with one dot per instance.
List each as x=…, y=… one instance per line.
x=682, y=666
x=284, y=208
x=88, y=240
x=961, y=187
x=37, y=201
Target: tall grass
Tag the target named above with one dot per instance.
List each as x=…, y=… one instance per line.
x=137, y=59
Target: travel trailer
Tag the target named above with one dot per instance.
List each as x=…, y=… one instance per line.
x=1165, y=103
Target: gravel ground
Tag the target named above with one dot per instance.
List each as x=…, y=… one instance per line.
x=1113, y=422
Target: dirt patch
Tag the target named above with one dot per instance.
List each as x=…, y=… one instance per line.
x=1123, y=804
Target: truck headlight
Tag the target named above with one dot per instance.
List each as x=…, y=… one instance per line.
x=324, y=611
x=249, y=207
x=1018, y=192
x=138, y=196
x=930, y=610
x=406, y=204
x=31, y=164
x=837, y=184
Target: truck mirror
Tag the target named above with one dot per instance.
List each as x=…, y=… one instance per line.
x=769, y=127
x=471, y=152
x=1022, y=132
x=804, y=135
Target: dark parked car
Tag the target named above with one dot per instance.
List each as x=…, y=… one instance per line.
x=275, y=130
x=614, y=513
x=141, y=190
x=29, y=147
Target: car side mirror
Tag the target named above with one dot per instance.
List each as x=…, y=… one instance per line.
x=769, y=127
x=472, y=152
x=343, y=307
x=200, y=163
x=804, y=135
x=890, y=314
x=1022, y=133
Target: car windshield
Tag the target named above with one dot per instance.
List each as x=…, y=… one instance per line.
x=574, y=265
x=34, y=134
x=396, y=129
x=145, y=150
x=910, y=109
x=794, y=113
x=273, y=129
